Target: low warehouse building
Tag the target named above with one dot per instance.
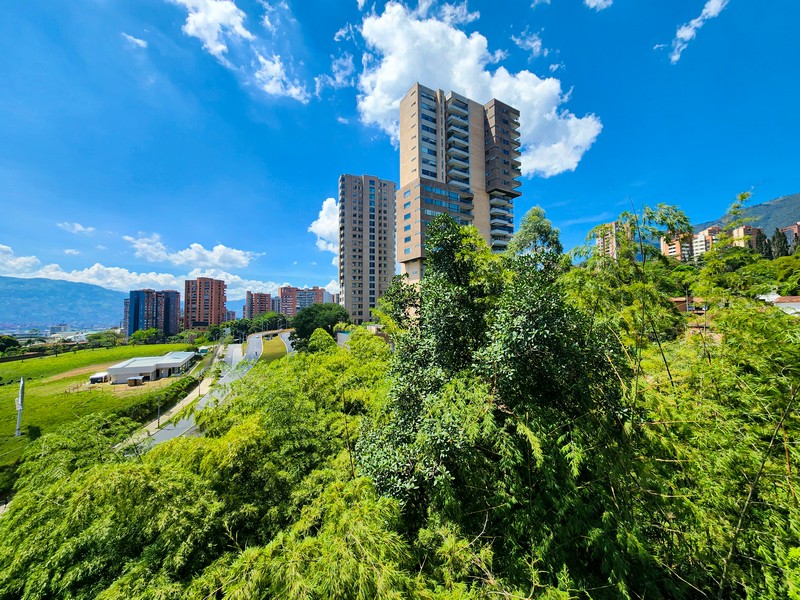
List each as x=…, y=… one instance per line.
x=150, y=368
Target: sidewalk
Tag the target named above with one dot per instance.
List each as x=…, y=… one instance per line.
x=198, y=392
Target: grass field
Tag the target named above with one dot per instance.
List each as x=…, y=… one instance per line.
x=55, y=392
x=273, y=349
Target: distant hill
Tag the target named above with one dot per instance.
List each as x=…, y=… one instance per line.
x=777, y=213
x=27, y=303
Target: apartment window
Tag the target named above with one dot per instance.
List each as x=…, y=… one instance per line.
x=407, y=204
x=406, y=216
x=407, y=239
x=407, y=251
x=407, y=228
x=406, y=193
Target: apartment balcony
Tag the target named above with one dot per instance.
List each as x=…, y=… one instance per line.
x=458, y=174
x=457, y=107
x=516, y=142
x=454, y=160
x=500, y=201
x=498, y=244
x=501, y=231
x=457, y=118
x=455, y=127
x=458, y=150
x=461, y=185
x=500, y=211
x=501, y=221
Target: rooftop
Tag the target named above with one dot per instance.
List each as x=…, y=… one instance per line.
x=145, y=362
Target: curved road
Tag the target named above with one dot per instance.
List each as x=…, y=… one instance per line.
x=237, y=366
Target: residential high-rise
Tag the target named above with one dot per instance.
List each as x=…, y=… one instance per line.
x=366, y=242
x=293, y=298
x=149, y=309
x=457, y=157
x=204, y=303
x=256, y=303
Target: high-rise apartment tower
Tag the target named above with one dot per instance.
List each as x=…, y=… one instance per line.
x=149, y=309
x=204, y=303
x=256, y=303
x=457, y=157
x=366, y=242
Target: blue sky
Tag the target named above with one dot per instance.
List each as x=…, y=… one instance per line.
x=145, y=141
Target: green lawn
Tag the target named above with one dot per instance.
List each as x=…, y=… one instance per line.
x=273, y=349
x=55, y=394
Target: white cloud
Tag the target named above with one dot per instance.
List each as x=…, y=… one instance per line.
x=101, y=247
x=152, y=249
x=345, y=33
x=406, y=49
x=272, y=78
x=214, y=22
x=361, y=4
x=121, y=279
x=538, y=2
x=342, y=120
x=75, y=228
x=332, y=287
x=326, y=228
x=456, y=14
x=598, y=4
x=556, y=66
x=341, y=76
x=134, y=41
x=71, y=252
x=11, y=264
x=688, y=31
x=532, y=42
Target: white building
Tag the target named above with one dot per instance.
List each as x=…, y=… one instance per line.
x=150, y=368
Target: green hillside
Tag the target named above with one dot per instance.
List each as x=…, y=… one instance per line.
x=777, y=213
x=26, y=303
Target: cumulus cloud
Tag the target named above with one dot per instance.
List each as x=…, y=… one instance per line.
x=272, y=78
x=326, y=228
x=214, y=22
x=71, y=252
x=405, y=48
x=341, y=76
x=152, y=249
x=121, y=279
x=75, y=228
x=538, y=2
x=361, y=4
x=532, y=42
x=332, y=287
x=598, y=4
x=220, y=26
x=688, y=31
x=134, y=41
x=11, y=264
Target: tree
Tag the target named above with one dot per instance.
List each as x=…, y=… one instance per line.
x=145, y=336
x=761, y=244
x=8, y=342
x=535, y=234
x=779, y=243
x=316, y=316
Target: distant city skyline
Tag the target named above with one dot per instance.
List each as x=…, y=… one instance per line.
x=139, y=148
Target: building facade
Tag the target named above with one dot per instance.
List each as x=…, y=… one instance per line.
x=366, y=242
x=457, y=157
x=256, y=303
x=704, y=240
x=149, y=309
x=293, y=298
x=204, y=303
x=792, y=233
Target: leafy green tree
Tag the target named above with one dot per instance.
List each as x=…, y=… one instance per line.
x=535, y=234
x=779, y=244
x=321, y=341
x=316, y=316
x=8, y=342
x=145, y=336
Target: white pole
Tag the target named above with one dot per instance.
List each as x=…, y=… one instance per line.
x=20, y=400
